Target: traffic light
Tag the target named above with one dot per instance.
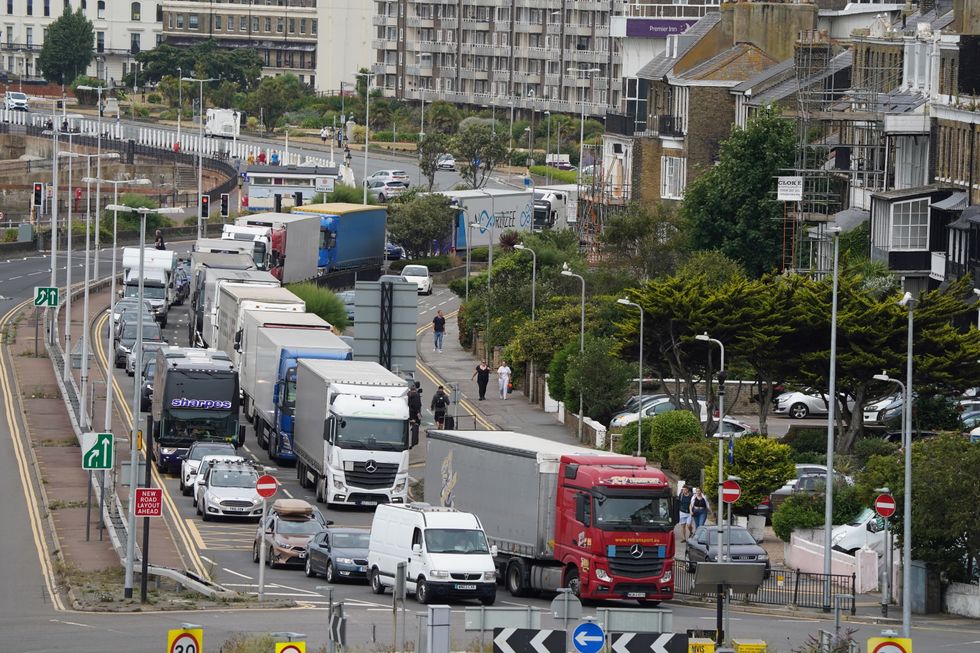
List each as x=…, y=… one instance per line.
x=224, y=205
x=205, y=206
x=38, y=197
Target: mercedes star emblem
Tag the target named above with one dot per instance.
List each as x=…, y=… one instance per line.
x=370, y=467
x=636, y=551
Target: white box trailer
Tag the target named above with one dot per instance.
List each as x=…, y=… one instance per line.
x=234, y=300
x=222, y=246
x=224, y=123
x=159, y=267
x=295, y=243
x=351, y=434
x=495, y=210
x=556, y=207
x=204, y=294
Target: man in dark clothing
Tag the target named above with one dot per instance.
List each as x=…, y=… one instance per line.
x=158, y=242
x=440, y=402
x=414, y=410
x=438, y=331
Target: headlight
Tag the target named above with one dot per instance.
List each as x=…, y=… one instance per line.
x=439, y=573
x=399, y=486
x=167, y=451
x=338, y=484
x=764, y=556
x=601, y=574
x=490, y=576
x=280, y=543
x=345, y=561
x=618, y=421
x=667, y=576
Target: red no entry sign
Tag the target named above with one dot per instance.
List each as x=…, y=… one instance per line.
x=885, y=505
x=730, y=491
x=149, y=502
x=266, y=486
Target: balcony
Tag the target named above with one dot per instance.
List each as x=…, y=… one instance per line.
x=670, y=126
x=384, y=21
x=382, y=44
x=448, y=23
x=417, y=21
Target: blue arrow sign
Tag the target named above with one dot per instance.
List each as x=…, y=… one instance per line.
x=589, y=638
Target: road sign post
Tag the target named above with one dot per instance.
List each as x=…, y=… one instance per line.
x=149, y=502
x=266, y=487
x=589, y=638
x=97, y=451
x=730, y=491
x=885, y=507
x=185, y=640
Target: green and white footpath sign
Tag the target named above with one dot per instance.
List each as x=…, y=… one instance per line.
x=97, y=451
x=46, y=296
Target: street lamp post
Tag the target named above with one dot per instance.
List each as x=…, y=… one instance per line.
x=98, y=173
x=704, y=337
x=469, y=247
x=907, y=530
x=200, y=145
x=67, y=365
x=510, y=145
x=907, y=302
x=567, y=272
x=138, y=352
x=828, y=516
x=547, y=147
x=54, y=207
x=367, y=127
x=581, y=142
x=180, y=101
x=639, y=411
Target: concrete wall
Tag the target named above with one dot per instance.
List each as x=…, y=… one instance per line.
x=771, y=27
x=806, y=554
x=963, y=600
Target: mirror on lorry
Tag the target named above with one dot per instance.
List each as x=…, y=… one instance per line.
x=238, y=340
x=329, y=429
x=417, y=549
x=241, y=435
x=493, y=550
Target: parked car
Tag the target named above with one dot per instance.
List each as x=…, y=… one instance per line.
x=886, y=409
x=150, y=348
x=800, y=404
x=286, y=533
x=803, y=470
x=702, y=547
x=418, y=274
x=634, y=402
x=808, y=484
x=191, y=461
x=867, y=529
x=339, y=554
x=446, y=162
x=227, y=489
x=390, y=175
x=394, y=252
x=735, y=428
x=347, y=296
x=654, y=408
x=383, y=191
x=16, y=101
x=969, y=421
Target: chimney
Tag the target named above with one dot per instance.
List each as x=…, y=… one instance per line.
x=811, y=53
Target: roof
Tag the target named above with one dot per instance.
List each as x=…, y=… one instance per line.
x=771, y=74
x=520, y=444
x=293, y=170
x=954, y=202
x=791, y=86
x=736, y=63
x=664, y=63
x=336, y=208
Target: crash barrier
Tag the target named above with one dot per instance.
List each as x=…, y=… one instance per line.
x=787, y=587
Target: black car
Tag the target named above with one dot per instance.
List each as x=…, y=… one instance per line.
x=702, y=546
x=146, y=388
x=339, y=554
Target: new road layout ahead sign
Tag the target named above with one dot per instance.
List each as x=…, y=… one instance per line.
x=45, y=296
x=97, y=451
x=149, y=502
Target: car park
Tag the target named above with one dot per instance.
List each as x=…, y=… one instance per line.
x=347, y=296
x=16, y=101
x=191, y=461
x=808, y=484
x=652, y=409
x=418, y=274
x=227, y=489
x=703, y=544
x=800, y=404
x=338, y=554
x=286, y=533
x=446, y=162
x=383, y=191
x=882, y=411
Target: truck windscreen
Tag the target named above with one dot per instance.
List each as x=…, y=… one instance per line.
x=149, y=292
x=199, y=405
x=258, y=255
x=452, y=540
x=372, y=433
x=638, y=512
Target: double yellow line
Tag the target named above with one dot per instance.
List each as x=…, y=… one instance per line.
x=11, y=397
x=436, y=379
x=178, y=529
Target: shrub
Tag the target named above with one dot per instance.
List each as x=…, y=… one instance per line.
x=154, y=98
x=688, y=459
x=322, y=302
x=252, y=122
x=763, y=465
x=806, y=440
x=627, y=441
x=806, y=510
x=558, y=176
x=672, y=428
x=400, y=137
x=557, y=369
x=480, y=254
x=9, y=235
x=867, y=447
x=434, y=263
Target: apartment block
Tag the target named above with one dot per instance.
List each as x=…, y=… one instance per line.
x=122, y=30
x=520, y=53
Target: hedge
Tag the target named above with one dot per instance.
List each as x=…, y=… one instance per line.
x=559, y=176
x=434, y=263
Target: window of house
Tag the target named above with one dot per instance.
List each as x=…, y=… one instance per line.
x=243, y=23
x=255, y=23
x=159, y=13
x=268, y=24
x=47, y=7
x=134, y=42
x=216, y=21
x=10, y=6
x=313, y=26
x=100, y=10
x=180, y=21
x=193, y=21
x=10, y=39
x=302, y=26
x=134, y=11
x=30, y=36
x=30, y=7
x=673, y=171
x=100, y=41
x=292, y=25
x=280, y=25
x=910, y=224
x=170, y=21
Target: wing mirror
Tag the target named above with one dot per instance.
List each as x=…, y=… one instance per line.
x=417, y=549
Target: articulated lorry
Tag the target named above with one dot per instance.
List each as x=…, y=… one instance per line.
x=555, y=207
x=294, y=243
x=225, y=123
x=159, y=268
x=222, y=246
x=204, y=305
x=601, y=524
x=259, y=238
x=195, y=398
x=255, y=320
x=269, y=380
x=235, y=300
x=352, y=236
x=495, y=210
x=351, y=434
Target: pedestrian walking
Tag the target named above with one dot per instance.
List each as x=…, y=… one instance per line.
x=699, y=508
x=684, y=503
x=503, y=378
x=158, y=241
x=323, y=135
x=438, y=331
x=414, y=410
x=482, y=376
x=438, y=406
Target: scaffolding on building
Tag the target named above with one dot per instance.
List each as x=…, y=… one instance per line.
x=600, y=195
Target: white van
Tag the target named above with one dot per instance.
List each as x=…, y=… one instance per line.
x=446, y=550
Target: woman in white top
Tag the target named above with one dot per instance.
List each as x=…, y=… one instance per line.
x=503, y=377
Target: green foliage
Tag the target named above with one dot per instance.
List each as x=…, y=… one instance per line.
x=557, y=369
x=205, y=59
x=557, y=176
x=806, y=510
x=85, y=97
x=934, y=413
x=154, y=98
x=672, y=428
x=642, y=240
x=763, y=465
x=274, y=96
x=627, y=438
x=321, y=301
x=729, y=207
x=344, y=194
x=478, y=151
x=716, y=268
x=441, y=116
x=432, y=146
x=434, y=263
x=129, y=221
x=389, y=137
x=415, y=221
x=688, y=460
x=806, y=443
x=224, y=94
x=69, y=46
x=600, y=379
x=867, y=448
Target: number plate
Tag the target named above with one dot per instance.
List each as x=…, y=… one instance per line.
x=636, y=595
x=465, y=587
x=236, y=509
x=369, y=503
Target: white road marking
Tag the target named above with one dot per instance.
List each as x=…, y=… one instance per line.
x=207, y=560
x=288, y=493
x=70, y=623
x=231, y=571
x=17, y=277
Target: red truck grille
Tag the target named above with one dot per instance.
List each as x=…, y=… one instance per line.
x=636, y=561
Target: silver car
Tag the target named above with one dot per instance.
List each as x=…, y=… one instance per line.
x=800, y=404
x=383, y=191
x=150, y=348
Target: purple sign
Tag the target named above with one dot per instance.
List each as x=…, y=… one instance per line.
x=206, y=404
x=651, y=28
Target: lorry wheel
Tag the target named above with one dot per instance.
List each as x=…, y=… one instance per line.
x=422, y=591
x=376, y=585
x=572, y=581
x=516, y=584
x=320, y=490
x=260, y=434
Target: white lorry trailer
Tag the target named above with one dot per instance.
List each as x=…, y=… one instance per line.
x=255, y=320
x=259, y=238
x=159, y=267
x=269, y=380
x=222, y=246
x=351, y=433
x=556, y=207
x=495, y=210
x=224, y=123
x=235, y=300
x=294, y=250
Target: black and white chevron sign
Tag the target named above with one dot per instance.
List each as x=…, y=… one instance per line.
x=649, y=642
x=528, y=640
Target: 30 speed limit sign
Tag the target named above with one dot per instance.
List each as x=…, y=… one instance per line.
x=290, y=647
x=889, y=645
x=185, y=640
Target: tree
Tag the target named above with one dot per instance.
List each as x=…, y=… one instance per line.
x=644, y=240
x=321, y=301
x=240, y=66
x=223, y=95
x=600, y=379
x=730, y=206
x=478, y=151
x=761, y=463
x=273, y=98
x=432, y=146
x=443, y=117
x=418, y=221
x=130, y=221
x=68, y=47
